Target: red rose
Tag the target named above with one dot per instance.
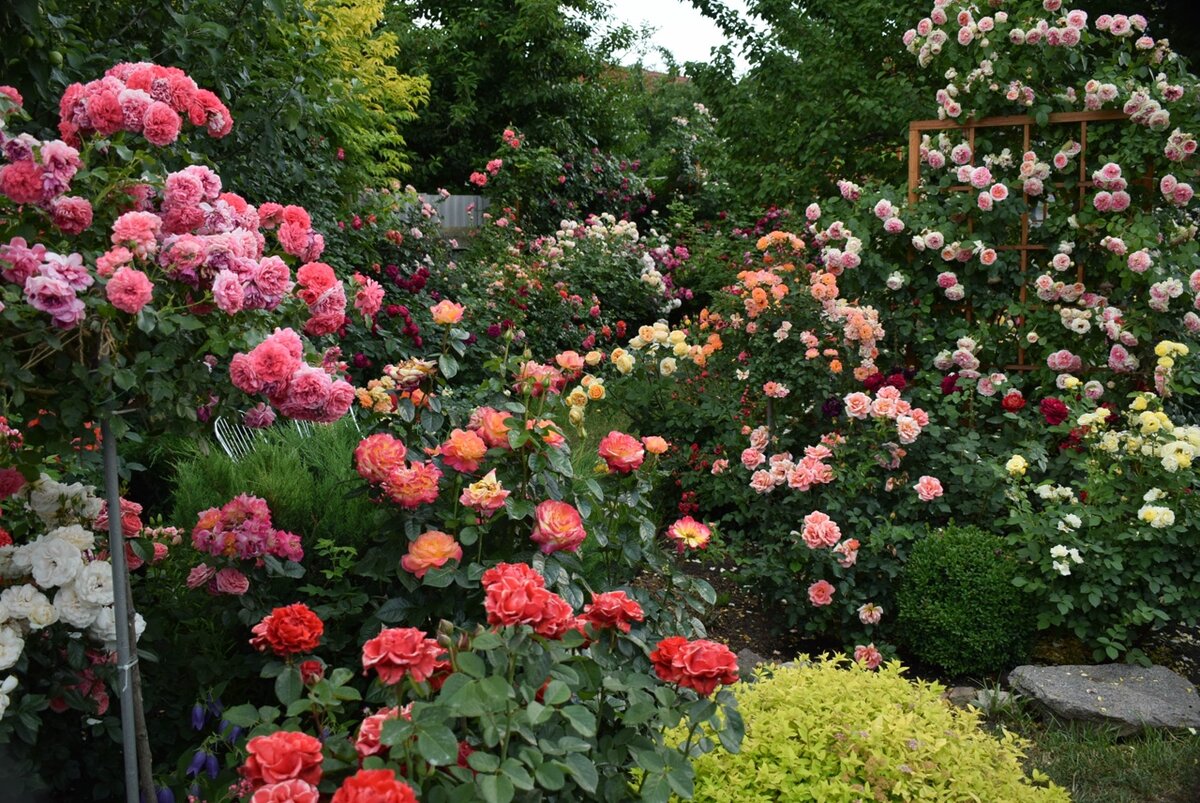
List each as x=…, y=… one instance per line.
x=11, y=481
x=131, y=522
x=374, y=786
x=282, y=756
x=897, y=381
x=555, y=618
x=401, y=651
x=613, y=609
x=1054, y=410
x=311, y=671
x=874, y=382
x=700, y=665
x=949, y=384
x=1013, y=401
x=291, y=630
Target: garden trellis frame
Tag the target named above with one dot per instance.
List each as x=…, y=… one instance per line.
x=1027, y=124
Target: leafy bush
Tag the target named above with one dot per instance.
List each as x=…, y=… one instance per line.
x=825, y=732
x=958, y=606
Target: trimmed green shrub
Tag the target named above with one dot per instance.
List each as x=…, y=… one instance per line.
x=957, y=606
x=830, y=732
x=308, y=479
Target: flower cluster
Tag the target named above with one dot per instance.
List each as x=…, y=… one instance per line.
x=515, y=594
x=241, y=529
x=276, y=369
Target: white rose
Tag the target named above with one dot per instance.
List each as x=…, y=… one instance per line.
x=73, y=610
x=74, y=534
x=42, y=616
x=21, y=600
x=11, y=647
x=10, y=683
x=94, y=583
x=105, y=627
x=55, y=562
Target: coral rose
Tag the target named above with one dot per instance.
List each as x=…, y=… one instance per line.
x=293, y=791
x=290, y=630
x=558, y=526
x=413, y=485
x=820, y=531
x=820, y=593
x=367, y=743
x=491, y=425
x=613, y=609
x=400, y=652
x=432, y=549
x=283, y=756
x=623, y=453
x=1013, y=401
x=376, y=456
x=374, y=786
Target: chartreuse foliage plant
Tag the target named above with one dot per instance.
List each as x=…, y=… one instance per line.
x=830, y=732
x=958, y=606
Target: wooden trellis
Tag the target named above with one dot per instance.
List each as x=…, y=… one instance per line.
x=1027, y=125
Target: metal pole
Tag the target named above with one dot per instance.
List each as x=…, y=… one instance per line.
x=120, y=570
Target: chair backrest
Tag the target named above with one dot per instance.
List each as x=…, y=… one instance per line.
x=236, y=439
x=239, y=440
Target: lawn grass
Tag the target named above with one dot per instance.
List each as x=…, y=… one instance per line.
x=1096, y=765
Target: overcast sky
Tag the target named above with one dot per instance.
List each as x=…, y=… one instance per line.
x=681, y=29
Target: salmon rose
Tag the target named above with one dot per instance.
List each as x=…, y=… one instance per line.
x=432, y=549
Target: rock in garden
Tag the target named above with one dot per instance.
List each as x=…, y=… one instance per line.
x=1127, y=697
x=961, y=696
x=748, y=660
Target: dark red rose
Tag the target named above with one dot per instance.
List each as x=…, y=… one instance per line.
x=1055, y=411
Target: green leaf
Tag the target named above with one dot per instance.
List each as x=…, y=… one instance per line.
x=448, y=366
x=495, y=788
x=289, y=686
x=582, y=770
x=517, y=773
x=556, y=692
x=243, y=716
x=471, y=664
x=437, y=745
x=549, y=776
x=483, y=762
x=581, y=719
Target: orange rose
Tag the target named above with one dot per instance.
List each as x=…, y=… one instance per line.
x=559, y=526
x=463, y=450
x=551, y=434
x=432, y=549
x=446, y=313
x=411, y=486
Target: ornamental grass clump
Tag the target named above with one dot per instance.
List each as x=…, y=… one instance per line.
x=832, y=731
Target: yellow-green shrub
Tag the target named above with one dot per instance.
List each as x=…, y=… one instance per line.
x=834, y=732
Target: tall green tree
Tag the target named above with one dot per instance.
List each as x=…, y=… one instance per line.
x=541, y=65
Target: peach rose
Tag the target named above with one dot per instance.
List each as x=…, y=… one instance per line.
x=446, y=313
x=858, y=405
x=928, y=488
x=655, y=445
x=485, y=496
x=432, y=549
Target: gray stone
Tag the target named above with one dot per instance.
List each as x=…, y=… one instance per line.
x=748, y=661
x=961, y=696
x=1127, y=697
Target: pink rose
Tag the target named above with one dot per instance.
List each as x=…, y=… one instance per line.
x=858, y=405
x=231, y=581
x=928, y=488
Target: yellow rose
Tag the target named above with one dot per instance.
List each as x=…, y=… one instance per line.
x=667, y=366
x=1138, y=404
x=593, y=357
x=1016, y=465
x=677, y=337
x=578, y=397
x=1166, y=362
x=681, y=349
x=624, y=363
